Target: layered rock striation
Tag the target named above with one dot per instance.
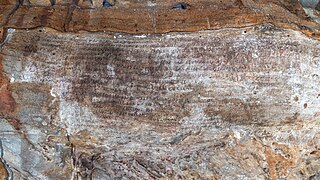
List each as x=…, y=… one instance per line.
x=159, y=90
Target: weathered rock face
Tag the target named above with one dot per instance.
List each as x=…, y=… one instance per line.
x=220, y=90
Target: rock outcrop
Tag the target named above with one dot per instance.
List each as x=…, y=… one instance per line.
x=202, y=89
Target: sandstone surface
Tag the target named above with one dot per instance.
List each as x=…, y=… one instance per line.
x=146, y=90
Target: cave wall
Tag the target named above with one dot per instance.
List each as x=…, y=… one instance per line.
x=150, y=90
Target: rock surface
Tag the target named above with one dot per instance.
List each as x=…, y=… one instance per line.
x=219, y=90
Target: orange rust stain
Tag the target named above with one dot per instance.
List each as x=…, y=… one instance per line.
x=271, y=160
x=279, y=163
x=3, y=172
x=7, y=102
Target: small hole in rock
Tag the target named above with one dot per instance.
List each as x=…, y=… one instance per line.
x=181, y=6
x=303, y=27
x=305, y=105
x=313, y=152
x=106, y=4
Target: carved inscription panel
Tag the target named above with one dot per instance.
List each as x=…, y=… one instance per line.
x=203, y=79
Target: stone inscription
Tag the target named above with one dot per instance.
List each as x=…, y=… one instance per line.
x=201, y=79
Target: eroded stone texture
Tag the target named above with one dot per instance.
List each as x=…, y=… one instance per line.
x=154, y=17
x=225, y=104
x=165, y=78
x=217, y=90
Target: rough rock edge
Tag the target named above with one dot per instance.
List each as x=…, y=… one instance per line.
x=141, y=20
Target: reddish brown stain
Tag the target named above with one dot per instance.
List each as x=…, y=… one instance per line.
x=7, y=2
x=15, y=123
x=7, y=102
x=272, y=164
x=3, y=172
x=2, y=35
x=279, y=159
x=137, y=18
